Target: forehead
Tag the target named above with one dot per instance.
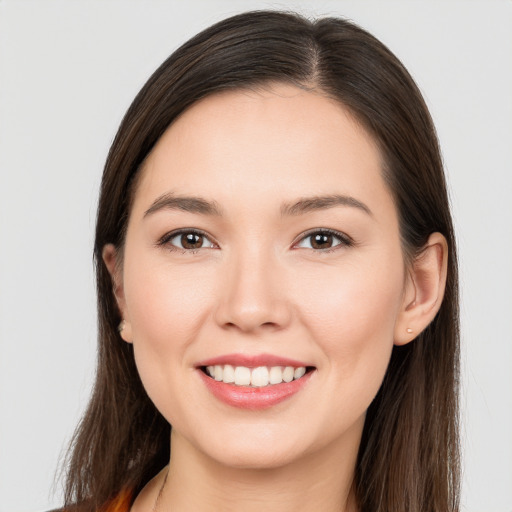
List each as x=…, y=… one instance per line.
x=263, y=144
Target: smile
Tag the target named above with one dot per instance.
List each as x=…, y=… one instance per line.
x=254, y=382
x=259, y=377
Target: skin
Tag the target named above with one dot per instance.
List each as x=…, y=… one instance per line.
x=257, y=285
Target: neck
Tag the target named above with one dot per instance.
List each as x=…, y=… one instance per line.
x=319, y=481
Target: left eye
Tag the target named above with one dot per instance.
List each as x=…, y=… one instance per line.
x=189, y=240
x=323, y=240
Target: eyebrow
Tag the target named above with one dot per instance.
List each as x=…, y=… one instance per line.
x=309, y=204
x=192, y=204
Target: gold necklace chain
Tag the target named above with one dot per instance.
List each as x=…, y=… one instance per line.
x=160, y=492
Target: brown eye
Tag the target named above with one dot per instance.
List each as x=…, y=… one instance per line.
x=321, y=241
x=187, y=240
x=324, y=240
x=191, y=241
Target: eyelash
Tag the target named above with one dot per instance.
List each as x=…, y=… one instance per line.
x=164, y=241
x=344, y=240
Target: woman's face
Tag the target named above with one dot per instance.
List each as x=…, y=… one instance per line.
x=263, y=235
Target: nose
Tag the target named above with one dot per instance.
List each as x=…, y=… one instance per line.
x=254, y=295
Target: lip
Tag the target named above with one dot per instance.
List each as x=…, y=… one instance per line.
x=252, y=361
x=253, y=398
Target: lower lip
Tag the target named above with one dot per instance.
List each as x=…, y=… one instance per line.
x=253, y=398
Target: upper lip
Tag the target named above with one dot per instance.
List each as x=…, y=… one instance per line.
x=251, y=361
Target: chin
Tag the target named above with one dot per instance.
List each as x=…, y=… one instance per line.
x=255, y=458
x=256, y=449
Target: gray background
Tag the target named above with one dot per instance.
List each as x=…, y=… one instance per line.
x=68, y=71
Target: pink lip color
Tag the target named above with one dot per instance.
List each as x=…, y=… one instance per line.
x=252, y=398
x=251, y=361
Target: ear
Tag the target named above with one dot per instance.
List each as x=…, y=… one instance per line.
x=111, y=259
x=424, y=290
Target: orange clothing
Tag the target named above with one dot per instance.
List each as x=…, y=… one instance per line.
x=121, y=503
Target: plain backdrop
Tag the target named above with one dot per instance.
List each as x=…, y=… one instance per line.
x=68, y=71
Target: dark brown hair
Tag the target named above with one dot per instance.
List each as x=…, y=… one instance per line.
x=409, y=454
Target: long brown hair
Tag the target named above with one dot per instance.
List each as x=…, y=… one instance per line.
x=409, y=454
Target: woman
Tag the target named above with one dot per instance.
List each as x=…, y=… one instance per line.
x=277, y=280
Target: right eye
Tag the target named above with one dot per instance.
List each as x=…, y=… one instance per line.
x=187, y=240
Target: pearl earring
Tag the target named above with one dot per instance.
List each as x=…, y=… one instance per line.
x=409, y=330
x=121, y=326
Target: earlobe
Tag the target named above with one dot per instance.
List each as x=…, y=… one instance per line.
x=110, y=258
x=125, y=331
x=424, y=290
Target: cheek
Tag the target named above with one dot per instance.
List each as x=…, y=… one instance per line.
x=352, y=318
x=165, y=302
x=354, y=297
x=166, y=307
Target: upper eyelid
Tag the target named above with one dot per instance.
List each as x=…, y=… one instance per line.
x=344, y=238
x=171, y=234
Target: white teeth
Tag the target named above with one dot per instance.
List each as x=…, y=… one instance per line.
x=256, y=377
x=259, y=377
x=288, y=373
x=299, y=372
x=229, y=374
x=242, y=376
x=275, y=375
